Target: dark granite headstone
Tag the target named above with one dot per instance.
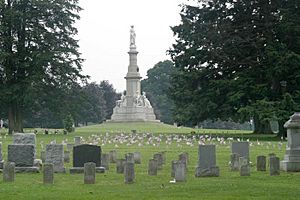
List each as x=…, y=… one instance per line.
x=86, y=153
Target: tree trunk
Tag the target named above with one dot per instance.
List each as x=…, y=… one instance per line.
x=261, y=127
x=282, y=131
x=15, y=118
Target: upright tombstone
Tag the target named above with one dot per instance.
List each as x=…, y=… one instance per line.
x=129, y=157
x=66, y=156
x=1, y=158
x=105, y=161
x=241, y=148
x=9, y=172
x=234, y=162
x=120, y=164
x=23, y=157
x=184, y=157
x=291, y=161
x=173, y=164
x=261, y=163
x=113, y=156
x=207, y=161
x=43, y=156
x=129, y=172
x=25, y=138
x=55, y=155
x=137, y=157
x=89, y=173
x=159, y=158
x=77, y=140
x=244, y=166
x=86, y=153
x=152, y=167
x=180, y=169
x=48, y=173
x=274, y=166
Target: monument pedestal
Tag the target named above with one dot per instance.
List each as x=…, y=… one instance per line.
x=133, y=114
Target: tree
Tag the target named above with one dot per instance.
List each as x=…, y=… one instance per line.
x=157, y=88
x=231, y=60
x=37, y=52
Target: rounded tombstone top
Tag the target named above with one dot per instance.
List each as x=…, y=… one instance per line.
x=293, y=122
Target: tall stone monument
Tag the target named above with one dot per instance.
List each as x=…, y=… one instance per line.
x=134, y=105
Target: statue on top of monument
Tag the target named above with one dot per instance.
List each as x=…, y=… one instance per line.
x=132, y=36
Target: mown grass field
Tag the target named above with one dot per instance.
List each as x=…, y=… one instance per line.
x=260, y=185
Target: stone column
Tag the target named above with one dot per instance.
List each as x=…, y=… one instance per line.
x=261, y=163
x=48, y=171
x=129, y=172
x=120, y=164
x=180, y=171
x=152, y=167
x=9, y=172
x=291, y=162
x=89, y=173
x=274, y=166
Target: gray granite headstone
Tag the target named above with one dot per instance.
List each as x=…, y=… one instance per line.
x=55, y=155
x=48, y=173
x=159, y=158
x=105, y=161
x=137, y=157
x=129, y=157
x=152, y=167
x=9, y=172
x=24, y=138
x=129, y=172
x=77, y=140
x=207, y=161
x=21, y=154
x=234, y=162
x=180, y=171
x=86, y=153
x=241, y=148
x=89, y=173
x=261, y=163
x=184, y=157
x=120, y=164
x=173, y=164
x=66, y=156
x=245, y=170
x=113, y=156
x=274, y=166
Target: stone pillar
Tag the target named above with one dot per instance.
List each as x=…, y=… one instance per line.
x=234, y=162
x=274, y=166
x=261, y=163
x=152, y=167
x=89, y=173
x=180, y=171
x=120, y=164
x=48, y=173
x=105, y=161
x=137, y=157
x=129, y=172
x=113, y=156
x=159, y=158
x=9, y=172
x=291, y=161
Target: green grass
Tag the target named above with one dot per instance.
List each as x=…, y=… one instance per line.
x=111, y=185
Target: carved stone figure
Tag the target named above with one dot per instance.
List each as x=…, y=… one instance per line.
x=132, y=36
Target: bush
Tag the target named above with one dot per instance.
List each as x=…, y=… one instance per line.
x=69, y=123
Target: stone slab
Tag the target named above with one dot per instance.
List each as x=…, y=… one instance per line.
x=86, y=153
x=21, y=154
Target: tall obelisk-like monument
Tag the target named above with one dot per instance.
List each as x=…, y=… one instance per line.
x=133, y=77
x=133, y=106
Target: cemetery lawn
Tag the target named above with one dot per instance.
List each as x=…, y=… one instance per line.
x=260, y=185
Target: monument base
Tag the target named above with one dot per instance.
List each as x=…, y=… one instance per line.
x=290, y=166
x=27, y=169
x=208, y=172
x=80, y=170
x=133, y=114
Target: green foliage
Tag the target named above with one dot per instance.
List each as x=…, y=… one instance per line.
x=232, y=57
x=157, y=85
x=69, y=123
x=110, y=97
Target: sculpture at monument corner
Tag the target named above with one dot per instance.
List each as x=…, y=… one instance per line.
x=132, y=36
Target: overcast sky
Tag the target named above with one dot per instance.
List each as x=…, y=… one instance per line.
x=104, y=35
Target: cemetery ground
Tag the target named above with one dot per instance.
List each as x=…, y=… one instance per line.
x=150, y=139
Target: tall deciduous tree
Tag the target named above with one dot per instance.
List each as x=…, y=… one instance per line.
x=37, y=52
x=110, y=97
x=233, y=61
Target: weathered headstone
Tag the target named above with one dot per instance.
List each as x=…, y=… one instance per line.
x=120, y=164
x=89, y=173
x=55, y=155
x=129, y=157
x=105, y=161
x=164, y=157
x=66, y=156
x=261, y=163
x=274, y=166
x=86, y=153
x=43, y=156
x=48, y=173
x=77, y=140
x=245, y=170
x=241, y=148
x=207, y=161
x=234, y=162
x=180, y=171
x=184, y=157
x=70, y=147
x=291, y=161
x=159, y=158
x=113, y=156
x=152, y=167
x=137, y=157
x=173, y=164
x=24, y=138
x=9, y=172
x=129, y=172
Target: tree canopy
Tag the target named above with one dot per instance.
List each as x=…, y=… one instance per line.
x=237, y=60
